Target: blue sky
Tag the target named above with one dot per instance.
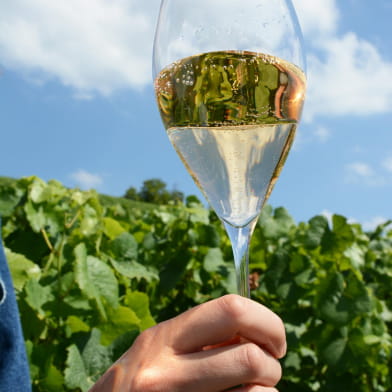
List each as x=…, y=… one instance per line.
x=77, y=104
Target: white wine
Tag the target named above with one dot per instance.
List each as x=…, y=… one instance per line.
x=233, y=166
x=232, y=116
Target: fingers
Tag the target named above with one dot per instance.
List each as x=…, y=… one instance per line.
x=224, y=367
x=219, y=345
x=223, y=319
x=253, y=388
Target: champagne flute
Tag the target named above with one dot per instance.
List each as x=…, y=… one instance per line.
x=230, y=85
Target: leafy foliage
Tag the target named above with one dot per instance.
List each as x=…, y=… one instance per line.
x=92, y=272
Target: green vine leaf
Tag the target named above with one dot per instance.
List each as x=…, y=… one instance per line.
x=75, y=372
x=22, y=269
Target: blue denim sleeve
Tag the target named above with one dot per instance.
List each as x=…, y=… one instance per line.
x=14, y=371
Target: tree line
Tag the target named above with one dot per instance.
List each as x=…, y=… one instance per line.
x=155, y=191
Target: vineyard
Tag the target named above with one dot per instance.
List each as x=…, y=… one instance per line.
x=92, y=271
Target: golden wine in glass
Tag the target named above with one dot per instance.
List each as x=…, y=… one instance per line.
x=230, y=84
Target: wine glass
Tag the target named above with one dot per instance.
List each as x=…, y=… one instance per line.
x=229, y=79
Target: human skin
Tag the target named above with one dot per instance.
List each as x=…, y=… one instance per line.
x=221, y=344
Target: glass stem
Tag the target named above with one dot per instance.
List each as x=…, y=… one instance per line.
x=240, y=240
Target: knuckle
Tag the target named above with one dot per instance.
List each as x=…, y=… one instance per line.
x=146, y=365
x=146, y=380
x=234, y=305
x=260, y=366
x=158, y=379
x=146, y=338
x=252, y=359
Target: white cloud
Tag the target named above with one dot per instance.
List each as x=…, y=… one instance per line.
x=346, y=74
x=90, y=45
x=387, y=164
x=358, y=149
x=362, y=173
x=367, y=225
x=317, y=16
x=373, y=223
x=328, y=214
x=322, y=134
x=360, y=169
x=86, y=180
x=352, y=78
x=311, y=136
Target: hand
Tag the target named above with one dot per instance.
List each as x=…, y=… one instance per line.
x=215, y=346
